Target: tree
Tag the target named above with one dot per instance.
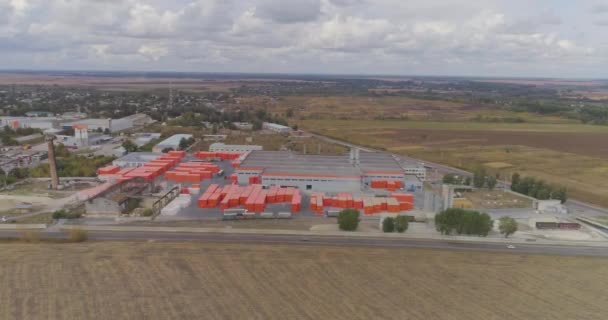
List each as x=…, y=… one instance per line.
x=257, y=125
x=560, y=194
x=388, y=224
x=401, y=224
x=479, y=177
x=348, y=219
x=106, y=131
x=507, y=226
x=129, y=146
x=289, y=113
x=467, y=181
x=183, y=144
x=491, y=182
x=515, y=179
x=463, y=221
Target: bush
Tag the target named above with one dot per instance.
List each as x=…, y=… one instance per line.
x=78, y=235
x=463, y=222
x=29, y=236
x=388, y=224
x=401, y=224
x=348, y=219
x=62, y=214
x=147, y=212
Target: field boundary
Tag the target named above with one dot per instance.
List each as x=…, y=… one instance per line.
x=343, y=234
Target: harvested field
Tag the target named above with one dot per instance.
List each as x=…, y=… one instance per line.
x=137, y=280
x=573, y=156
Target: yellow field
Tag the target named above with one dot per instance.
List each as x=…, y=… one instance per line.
x=137, y=280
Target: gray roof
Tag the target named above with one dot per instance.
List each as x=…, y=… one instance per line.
x=138, y=157
x=284, y=162
x=377, y=161
x=288, y=162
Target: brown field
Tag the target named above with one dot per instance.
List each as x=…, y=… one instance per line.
x=138, y=280
x=122, y=83
x=573, y=156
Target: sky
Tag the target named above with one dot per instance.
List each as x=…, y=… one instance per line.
x=493, y=38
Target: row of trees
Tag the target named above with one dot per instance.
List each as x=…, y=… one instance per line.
x=480, y=179
x=537, y=188
x=399, y=224
x=461, y=221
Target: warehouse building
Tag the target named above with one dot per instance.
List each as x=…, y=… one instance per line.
x=135, y=159
x=171, y=143
x=344, y=173
x=278, y=128
x=221, y=147
x=42, y=123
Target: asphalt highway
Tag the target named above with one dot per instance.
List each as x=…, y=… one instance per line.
x=333, y=241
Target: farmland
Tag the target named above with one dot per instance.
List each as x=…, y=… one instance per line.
x=571, y=155
x=134, y=280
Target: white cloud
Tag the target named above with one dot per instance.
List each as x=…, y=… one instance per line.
x=342, y=36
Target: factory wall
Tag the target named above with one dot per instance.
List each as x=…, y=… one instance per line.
x=121, y=124
x=315, y=183
x=368, y=177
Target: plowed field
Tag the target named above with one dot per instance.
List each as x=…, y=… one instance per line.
x=137, y=280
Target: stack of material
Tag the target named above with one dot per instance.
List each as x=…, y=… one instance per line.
x=254, y=198
x=222, y=155
x=108, y=170
x=192, y=172
x=406, y=201
x=255, y=180
x=388, y=185
x=296, y=202
x=316, y=202
x=179, y=203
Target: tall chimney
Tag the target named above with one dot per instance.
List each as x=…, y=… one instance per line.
x=52, y=163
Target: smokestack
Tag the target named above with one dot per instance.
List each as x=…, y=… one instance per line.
x=52, y=163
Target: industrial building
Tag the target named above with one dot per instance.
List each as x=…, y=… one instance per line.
x=354, y=172
x=42, y=123
x=278, y=128
x=112, y=125
x=221, y=147
x=145, y=138
x=243, y=125
x=171, y=143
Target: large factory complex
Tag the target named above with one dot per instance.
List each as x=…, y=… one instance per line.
x=258, y=181
x=354, y=172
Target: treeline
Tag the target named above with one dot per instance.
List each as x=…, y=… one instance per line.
x=480, y=179
x=8, y=134
x=226, y=119
x=538, y=189
x=461, y=221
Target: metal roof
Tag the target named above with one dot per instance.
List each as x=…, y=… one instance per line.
x=283, y=162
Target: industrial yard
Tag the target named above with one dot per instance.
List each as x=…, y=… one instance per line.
x=166, y=280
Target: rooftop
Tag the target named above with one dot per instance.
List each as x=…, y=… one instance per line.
x=377, y=161
x=138, y=157
x=288, y=162
x=284, y=162
x=174, y=140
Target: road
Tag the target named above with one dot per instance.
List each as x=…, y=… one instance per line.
x=334, y=241
x=573, y=205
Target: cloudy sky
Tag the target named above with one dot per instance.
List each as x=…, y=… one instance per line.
x=542, y=38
